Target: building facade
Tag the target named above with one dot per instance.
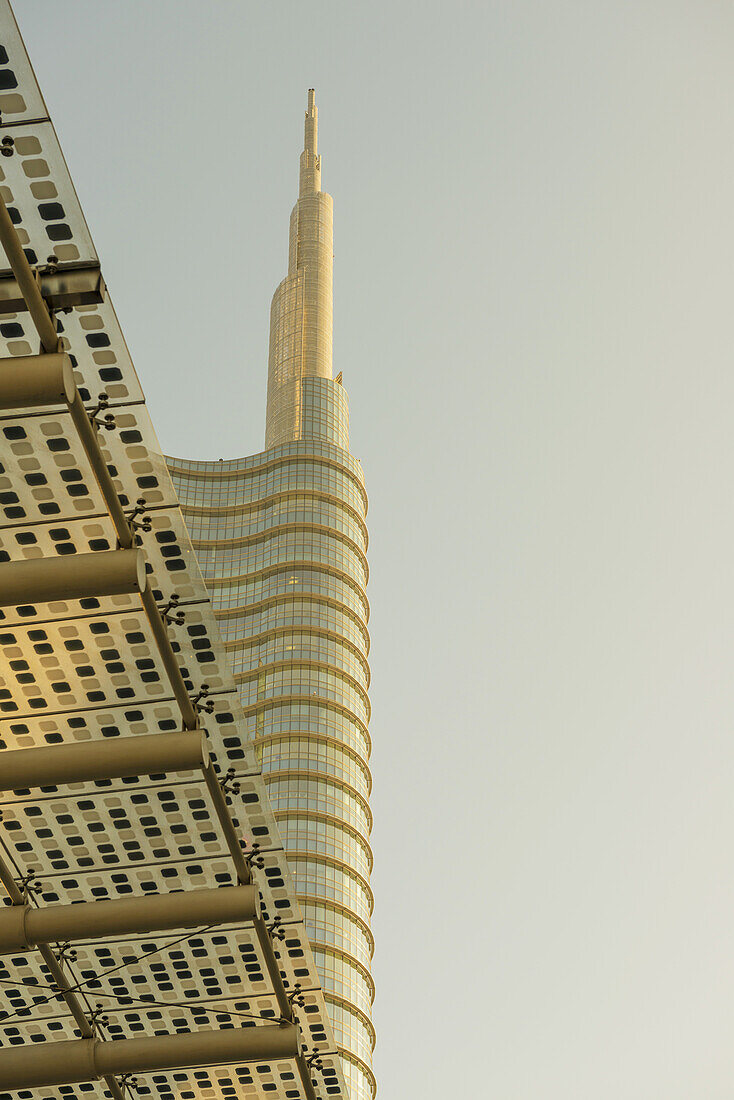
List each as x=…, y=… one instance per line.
x=281, y=539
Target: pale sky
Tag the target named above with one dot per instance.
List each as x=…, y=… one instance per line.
x=534, y=236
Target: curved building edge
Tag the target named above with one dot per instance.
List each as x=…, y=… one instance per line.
x=308, y=713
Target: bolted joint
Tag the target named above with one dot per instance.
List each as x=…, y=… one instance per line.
x=28, y=886
x=253, y=858
x=228, y=783
x=201, y=702
x=65, y=952
x=50, y=268
x=98, y=1018
x=144, y=523
x=95, y=415
x=168, y=611
x=276, y=931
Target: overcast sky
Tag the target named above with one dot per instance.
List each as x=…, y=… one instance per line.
x=534, y=236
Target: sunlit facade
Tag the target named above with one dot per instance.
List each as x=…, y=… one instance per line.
x=282, y=540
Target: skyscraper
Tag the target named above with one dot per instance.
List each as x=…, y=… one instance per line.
x=281, y=540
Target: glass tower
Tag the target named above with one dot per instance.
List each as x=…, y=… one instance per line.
x=281, y=540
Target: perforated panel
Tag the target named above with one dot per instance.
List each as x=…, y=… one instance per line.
x=21, y=97
x=41, y=199
x=225, y=744
x=171, y=819
x=91, y=335
x=75, y=671
x=172, y=567
x=214, y=973
x=46, y=477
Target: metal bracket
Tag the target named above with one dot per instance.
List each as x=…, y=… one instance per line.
x=276, y=931
x=66, y=953
x=142, y=524
x=99, y=1019
x=295, y=997
x=108, y=421
x=253, y=858
x=170, y=614
x=201, y=703
x=228, y=783
x=28, y=887
x=50, y=268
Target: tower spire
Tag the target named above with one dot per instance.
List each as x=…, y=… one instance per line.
x=310, y=180
x=301, y=320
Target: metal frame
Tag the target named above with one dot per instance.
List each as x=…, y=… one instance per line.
x=27, y=282
x=32, y=381
x=168, y=657
x=57, y=972
x=88, y=437
x=35, y=381
x=91, y=1057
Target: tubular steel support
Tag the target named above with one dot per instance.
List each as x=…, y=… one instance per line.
x=27, y=282
x=31, y=381
x=304, y=1073
x=23, y=927
x=266, y=944
x=147, y=754
x=284, y=1005
x=43, y=580
x=244, y=874
x=69, y=1063
x=89, y=440
x=180, y=691
x=76, y=286
x=57, y=973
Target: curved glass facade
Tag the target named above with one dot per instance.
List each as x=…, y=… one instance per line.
x=281, y=540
